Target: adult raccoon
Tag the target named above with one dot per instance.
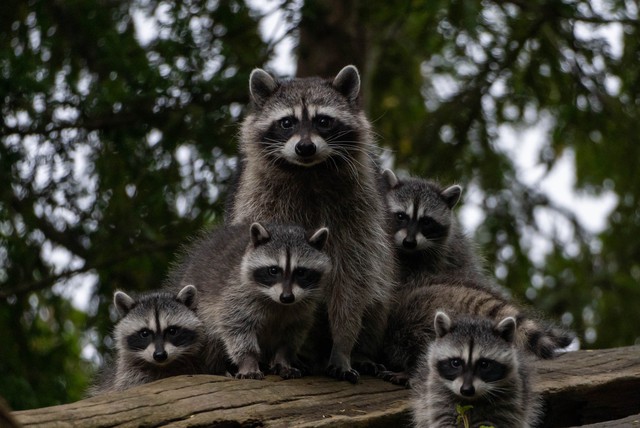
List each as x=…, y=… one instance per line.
x=307, y=157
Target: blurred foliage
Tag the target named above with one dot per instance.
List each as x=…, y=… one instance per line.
x=117, y=143
x=115, y=148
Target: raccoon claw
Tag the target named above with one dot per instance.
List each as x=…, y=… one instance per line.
x=369, y=368
x=304, y=369
x=250, y=375
x=397, y=378
x=350, y=375
x=286, y=372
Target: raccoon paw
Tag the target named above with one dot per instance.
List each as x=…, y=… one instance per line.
x=250, y=375
x=349, y=374
x=368, y=367
x=397, y=378
x=304, y=368
x=286, y=372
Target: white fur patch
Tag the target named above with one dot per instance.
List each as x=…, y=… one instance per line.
x=422, y=242
x=323, y=151
x=275, y=291
x=399, y=237
x=327, y=111
x=264, y=122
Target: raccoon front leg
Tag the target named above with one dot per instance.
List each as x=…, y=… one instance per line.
x=282, y=363
x=285, y=360
x=345, y=319
x=248, y=367
x=367, y=354
x=241, y=344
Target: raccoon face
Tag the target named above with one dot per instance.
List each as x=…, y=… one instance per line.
x=474, y=359
x=286, y=266
x=158, y=328
x=305, y=122
x=307, y=136
x=471, y=378
x=421, y=212
x=415, y=229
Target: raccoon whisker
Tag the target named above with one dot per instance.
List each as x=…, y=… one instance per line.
x=496, y=395
x=337, y=135
x=346, y=149
x=370, y=154
x=353, y=145
x=351, y=164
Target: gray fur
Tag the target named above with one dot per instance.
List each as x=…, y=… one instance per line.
x=163, y=355
x=252, y=322
x=411, y=328
x=430, y=243
x=293, y=171
x=473, y=362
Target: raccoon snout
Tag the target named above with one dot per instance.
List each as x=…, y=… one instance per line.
x=160, y=356
x=305, y=148
x=287, y=298
x=467, y=390
x=409, y=243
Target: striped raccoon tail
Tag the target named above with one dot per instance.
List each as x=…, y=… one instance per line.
x=544, y=339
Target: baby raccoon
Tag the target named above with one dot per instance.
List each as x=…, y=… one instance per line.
x=308, y=158
x=159, y=335
x=259, y=288
x=410, y=325
x=430, y=244
x=474, y=375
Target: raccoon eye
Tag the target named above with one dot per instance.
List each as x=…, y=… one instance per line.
x=456, y=363
x=172, y=331
x=484, y=364
x=306, y=277
x=426, y=221
x=145, y=333
x=274, y=270
x=287, y=123
x=402, y=217
x=324, y=123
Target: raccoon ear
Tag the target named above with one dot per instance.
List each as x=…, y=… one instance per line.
x=390, y=178
x=507, y=329
x=442, y=324
x=123, y=302
x=319, y=238
x=451, y=195
x=259, y=235
x=261, y=86
x=347, y=82
x=188, y=296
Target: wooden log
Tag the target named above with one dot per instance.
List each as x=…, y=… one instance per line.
x=628, y=422
x=586, y=387
x=580, y=388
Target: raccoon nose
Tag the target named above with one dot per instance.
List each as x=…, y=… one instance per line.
x=160, y=356
x=467, y=390
x=305, y=149
x=409, y=243
x=287, y=298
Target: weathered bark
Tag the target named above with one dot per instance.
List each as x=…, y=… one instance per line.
x=591, y=386
x=580, y=388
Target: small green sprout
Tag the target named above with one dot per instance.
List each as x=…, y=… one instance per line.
x=463, y=416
